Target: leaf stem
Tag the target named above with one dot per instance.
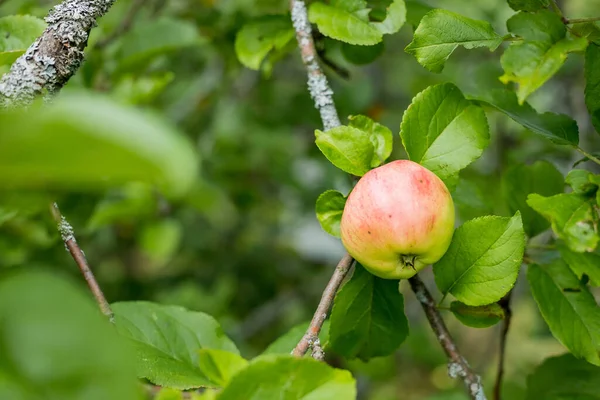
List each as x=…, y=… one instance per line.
x=68, y=237
x=570, y=21
x=457, y=366
x=311, y=337
x=588, y=155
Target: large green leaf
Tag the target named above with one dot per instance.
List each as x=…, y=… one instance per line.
x=17, y=33
x=368, y=318
x=258, y=38
x=350, y=149
x=56, y=345
x=572, y=217
x=168, y=339
x=568, y=308
x=520, y=180
x=592, y=83
x=219, y=366
x=564, y=378
x=544, y=49
x=559, y=128
x=348, y=21
x=440, y=32
x=286, y=377
x=329, y=208
x=443, y=131
x=152, y=38
x=86, y=142
x=528, y=5
x=582, y=264
x=483, y=260
x=380, y=136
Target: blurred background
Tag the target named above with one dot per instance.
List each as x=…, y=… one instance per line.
x=244, y=245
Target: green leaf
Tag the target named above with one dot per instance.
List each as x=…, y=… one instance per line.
x=55, y=344
x=443, y=131
x=152, y=38
x=477, y=317
x=470, y=200
x=220, y=365
x=367, y=319
x=395, y=18
x=568, y=308
x=559, y=128
x=167, y=340
x=381, y=137
x=582, y=264
x=520, y=180
x=415, y=11
x=258, y=38
x=564, y=378
x=132, y=89
x=169, y=394
x=159, y=240
x=589, y=30
x=483, y=260
x=531, y=62
x=361, y=55
x=350, y=149
x=86, y=142
x=528, y=5
x=285, y=343
x=592, y=83
x=572, y=217
x=440, y=32
x=329, y=208
x=302, y=378
x=583, y=182
x=340, y=24
x=17, y=33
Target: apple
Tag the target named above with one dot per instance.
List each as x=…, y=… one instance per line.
x=398, y=219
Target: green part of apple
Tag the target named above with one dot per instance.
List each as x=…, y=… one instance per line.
x=398, y=219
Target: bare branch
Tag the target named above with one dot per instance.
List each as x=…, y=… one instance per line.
x=55, y=56
x=458, y=366
x=311, y=337
x=68, y=237
x=318, y=86
x=505, y=304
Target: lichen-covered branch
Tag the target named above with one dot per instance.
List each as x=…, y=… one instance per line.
x=458, y=367
x=55, y=56
x=318, y=86
x=68, y=237
x=311, y=337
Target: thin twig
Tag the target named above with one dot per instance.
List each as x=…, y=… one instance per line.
x=311, y=337
x=68, y=237
x=588, y=155
x=505, y=304
x=581, y=20
x=126, y=24
x=55, y=56
x=458, y=366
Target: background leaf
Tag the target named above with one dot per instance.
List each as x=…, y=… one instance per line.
x=55, y=344
x=568, y=308
x=303, y=378
x=167, y=340
x=443, y=131
x=329, y=208
x=258, y=38
x=286, y=342
x=540, y=55
x=572, y=218
x=520, y=180
x=440, y=32
x=483, y=260
x=17, y=33
x=367, y=319
x=477, y=317
x=528, y=5
x=108, y=144
x=582, y=263
x=592, y=83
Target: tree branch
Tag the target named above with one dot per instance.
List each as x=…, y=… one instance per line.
x=55, y=56
x=68, y=237
x=505, y=304
x=311, y=337
x=458, y=366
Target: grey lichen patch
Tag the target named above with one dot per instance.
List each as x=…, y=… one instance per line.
x=55, y=56
x=66, y=230
x=456, y=370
